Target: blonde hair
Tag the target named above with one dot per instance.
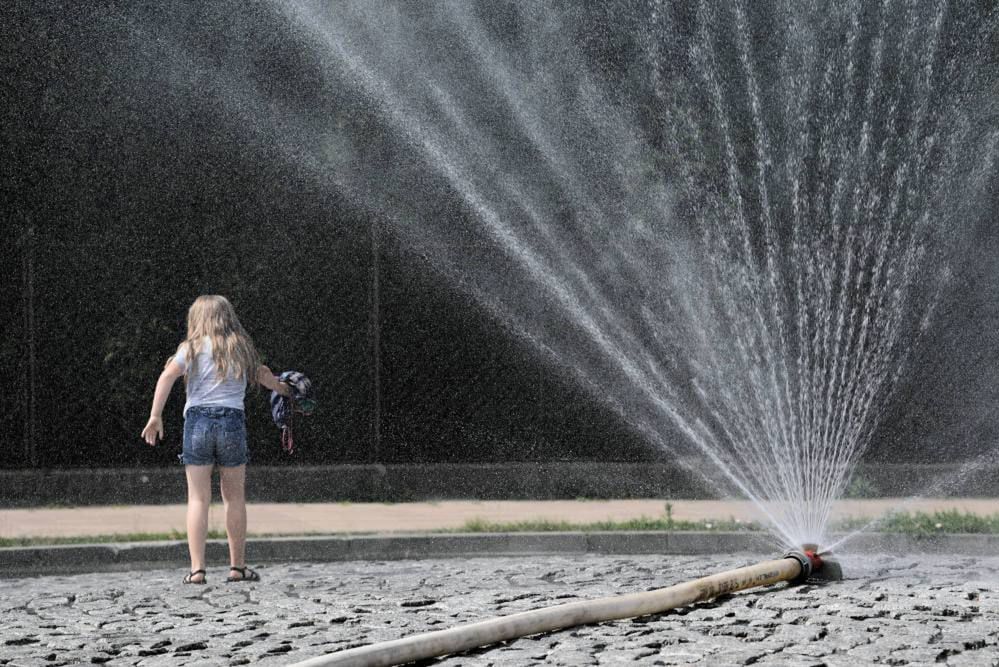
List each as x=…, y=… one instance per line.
x=212, y=316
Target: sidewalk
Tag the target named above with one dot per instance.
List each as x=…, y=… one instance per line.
x=338, y=518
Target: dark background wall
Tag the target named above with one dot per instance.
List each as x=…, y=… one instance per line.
x=133, y=194
x=129, y=190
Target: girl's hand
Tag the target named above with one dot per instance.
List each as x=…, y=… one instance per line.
x=153, y=430
x=270, y=381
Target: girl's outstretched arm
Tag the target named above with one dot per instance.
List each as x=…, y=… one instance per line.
x=154, y=428
x=268, y=380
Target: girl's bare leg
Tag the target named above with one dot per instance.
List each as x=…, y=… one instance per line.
x=199, y=497
x=234, y=498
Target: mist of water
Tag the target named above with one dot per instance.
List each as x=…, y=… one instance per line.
x=751, y=272
x=738, y=254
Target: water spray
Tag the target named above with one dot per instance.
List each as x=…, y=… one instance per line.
x=807, y=564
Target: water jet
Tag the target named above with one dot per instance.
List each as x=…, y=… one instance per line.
x=805, y=565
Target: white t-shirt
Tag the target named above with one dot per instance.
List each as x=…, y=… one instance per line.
x=205, y=388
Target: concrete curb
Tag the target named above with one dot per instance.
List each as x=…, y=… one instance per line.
x=72, y=559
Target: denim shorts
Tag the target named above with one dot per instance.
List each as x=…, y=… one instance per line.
x=214, y=435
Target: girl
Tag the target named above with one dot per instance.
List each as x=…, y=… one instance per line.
x=217, y=358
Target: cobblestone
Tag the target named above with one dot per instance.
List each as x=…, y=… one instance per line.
x=893, y=611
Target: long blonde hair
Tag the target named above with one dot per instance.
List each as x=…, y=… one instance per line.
x=233, y=352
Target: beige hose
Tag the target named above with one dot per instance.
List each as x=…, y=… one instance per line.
x=465, y=637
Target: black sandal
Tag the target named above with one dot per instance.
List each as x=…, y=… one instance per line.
x=189, y=579
x=246, y=574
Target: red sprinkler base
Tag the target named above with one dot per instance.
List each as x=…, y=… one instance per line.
x=821, y=566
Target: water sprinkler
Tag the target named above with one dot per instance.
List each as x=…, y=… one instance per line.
x=807, y=564
x=824, y=567
x=816, y=567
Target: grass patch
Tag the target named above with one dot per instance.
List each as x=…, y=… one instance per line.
x=172, y=536
x=642, y=523
x=917, y=523
x=926, y=523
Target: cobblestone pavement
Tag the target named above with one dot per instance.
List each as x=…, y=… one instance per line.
x=897, y=611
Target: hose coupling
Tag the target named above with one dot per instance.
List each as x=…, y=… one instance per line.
x=806, y=565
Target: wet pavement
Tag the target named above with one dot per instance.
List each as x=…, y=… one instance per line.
x=920, y=610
